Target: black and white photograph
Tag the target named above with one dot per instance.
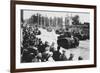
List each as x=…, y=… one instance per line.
x=50, y=36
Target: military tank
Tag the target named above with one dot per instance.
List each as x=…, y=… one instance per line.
x=67, y=41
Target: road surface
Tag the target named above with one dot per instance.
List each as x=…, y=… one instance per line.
x=82, y=50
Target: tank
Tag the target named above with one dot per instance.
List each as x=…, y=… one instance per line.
x=67, y=40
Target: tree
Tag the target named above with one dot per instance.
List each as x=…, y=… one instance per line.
x=75, y=20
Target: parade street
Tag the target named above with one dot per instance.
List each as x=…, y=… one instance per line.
x=82, y=50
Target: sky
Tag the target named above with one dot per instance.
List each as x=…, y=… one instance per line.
x=83, y=16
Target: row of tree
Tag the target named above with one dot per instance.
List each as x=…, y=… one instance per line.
x=52, y=21
x=46, y=21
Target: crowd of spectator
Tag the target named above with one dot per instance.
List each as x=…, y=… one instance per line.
x=34, y=50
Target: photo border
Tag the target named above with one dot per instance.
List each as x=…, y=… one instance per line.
x=13, y=35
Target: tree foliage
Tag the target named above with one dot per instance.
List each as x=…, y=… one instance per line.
x=75, y=20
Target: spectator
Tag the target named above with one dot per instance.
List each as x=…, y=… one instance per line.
x=80, y=58
x=56, y=54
